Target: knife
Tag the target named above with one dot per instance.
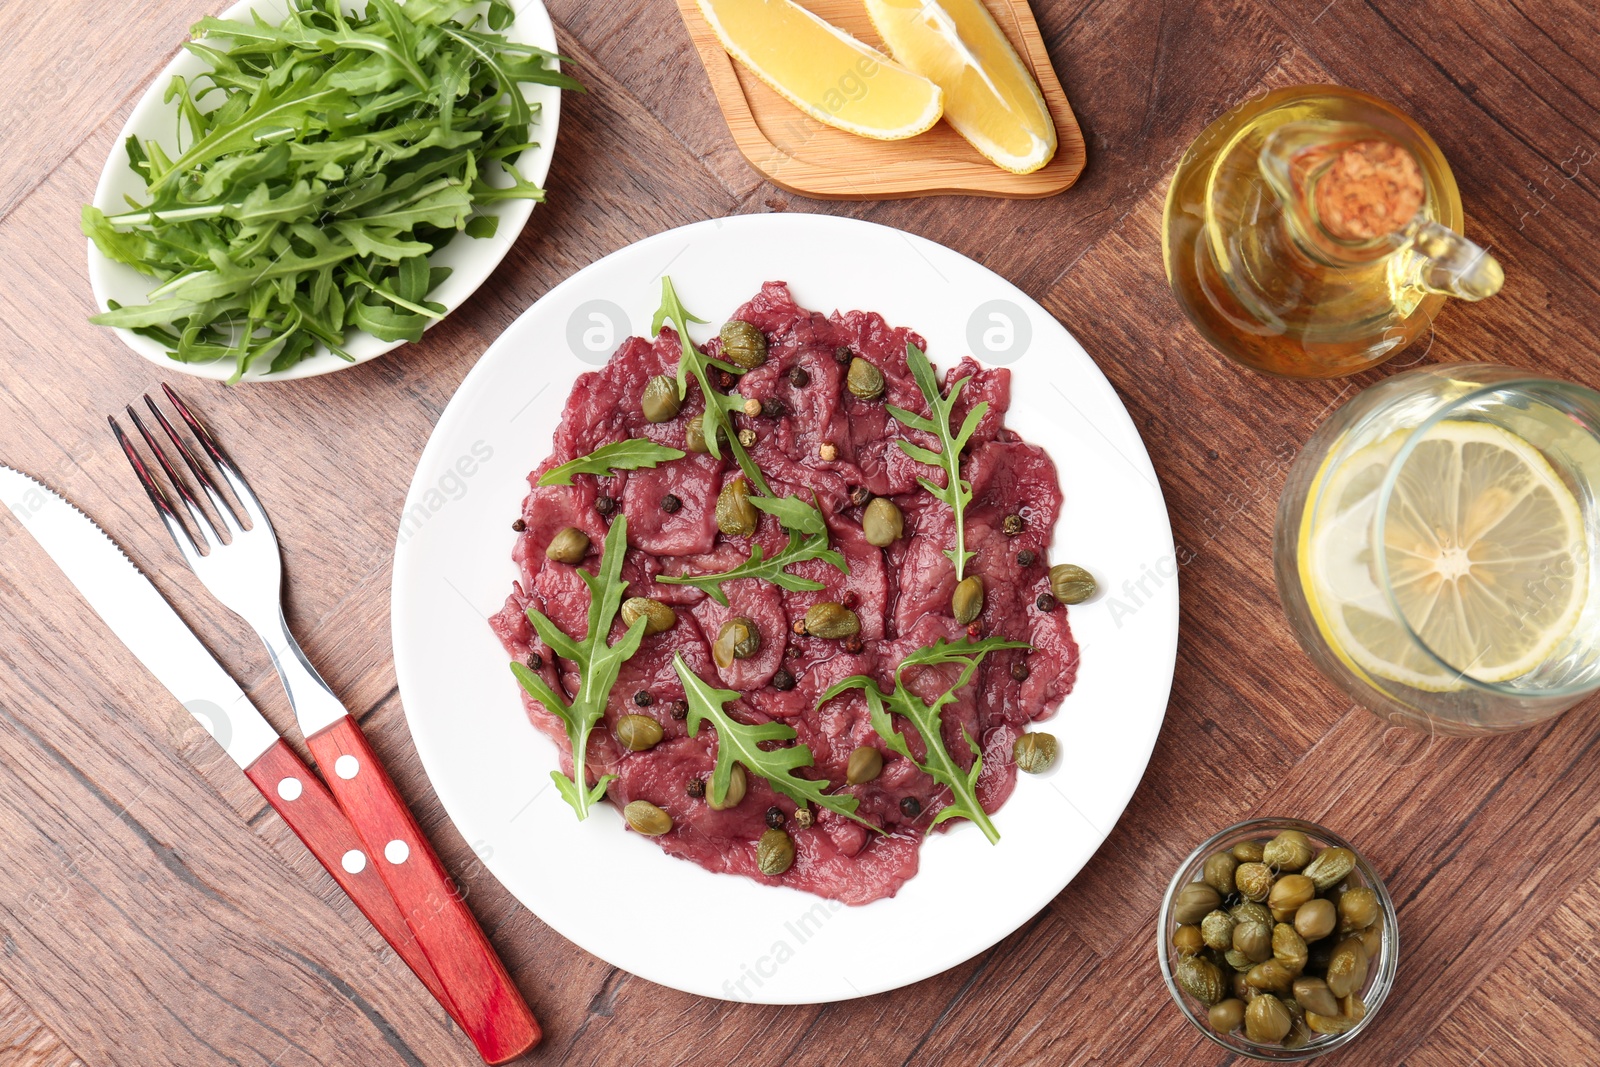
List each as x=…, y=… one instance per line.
x=141, y=617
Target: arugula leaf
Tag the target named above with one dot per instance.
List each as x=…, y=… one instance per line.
x=343, y=148
x=808, y=532
x=956, y=492
x=598, y=665
x=938, y=765
x=629, y=455
x=741, y=743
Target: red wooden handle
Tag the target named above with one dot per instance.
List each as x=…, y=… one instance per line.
x=487, y=1003
x=299, y=796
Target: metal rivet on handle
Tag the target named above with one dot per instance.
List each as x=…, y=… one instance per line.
x=355, y=861
x=346, y=767
x=396, y=851
x=290, y=789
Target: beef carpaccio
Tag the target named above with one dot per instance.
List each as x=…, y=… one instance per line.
x=902, y=593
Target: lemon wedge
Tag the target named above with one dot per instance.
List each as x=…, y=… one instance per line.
x=1482, y=540
x=989, y=96
x=824, y=71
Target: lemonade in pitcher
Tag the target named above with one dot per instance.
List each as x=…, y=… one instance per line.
x=1434, y=547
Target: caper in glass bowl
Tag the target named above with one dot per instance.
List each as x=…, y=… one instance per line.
x=1257, y=966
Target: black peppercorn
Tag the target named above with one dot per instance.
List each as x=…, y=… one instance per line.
x=798, y=377
x=535, y=661
x=696, y=788
x=519, y=525
x=773, y=408
x=860, y=495
x=853, y=644
x=724, y=379
x=776, y=818
x=680, y=709
x=910, y=807
x=1011, y=525
x=1046, y=602
x=1026, y=557
x=783, y=681
x=643, y=698
x=670, y=504
x=1019, y=671
x=605, y=505
x=842, y=356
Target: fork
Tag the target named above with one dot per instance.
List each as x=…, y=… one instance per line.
x=245, y=572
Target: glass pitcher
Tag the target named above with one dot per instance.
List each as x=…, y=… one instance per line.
x=1313, y=232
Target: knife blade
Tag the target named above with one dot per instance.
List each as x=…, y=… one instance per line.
x=140, y=616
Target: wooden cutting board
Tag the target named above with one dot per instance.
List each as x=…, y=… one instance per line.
x=808, y=157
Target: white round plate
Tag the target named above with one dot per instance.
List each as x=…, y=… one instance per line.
x=722, y=935
x=470, y=260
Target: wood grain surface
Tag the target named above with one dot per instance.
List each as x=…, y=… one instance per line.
x=802, y=155
x=154, y=910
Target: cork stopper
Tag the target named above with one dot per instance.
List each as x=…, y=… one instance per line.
x=1371, y=189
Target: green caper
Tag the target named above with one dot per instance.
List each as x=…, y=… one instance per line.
x=1248, y=851
x=1034, y=752
x=1270, y=976
x=1254, y=940
x=866, y=763
x=1200, y=978
x=1193, y=903
x=1238, y=986
x=775, y=852
x=1289, y=851
x=1289, y=948
x=660, y=400
x=1315, y=919
x=1216, y=929
x=737, y=784
x=1332, y=866
x=1240, y=963
x=638, y=733
x=659, y=617
x=1266, y=1019
x=1329, y=1024
x=1219, y=872
x=882, y=522
x=831, y=621
x=1227, y=1016
x=864, y=380
x=646, y=818
x=1313, y=995
x=568, y=546
x=694, y=433
x=736, y=516
x=1358, y=908
x=1372, y=940
x=1299, y=1035
x=1248, y=911
x=1292, y=1006
x=967, y=602
x=1353, y=1007
x=1347, y=968
x=1187, y=940
x=737, y=639
x=1289, y=892
x=1071, y=585
x=743, y=344
x=1254, y=880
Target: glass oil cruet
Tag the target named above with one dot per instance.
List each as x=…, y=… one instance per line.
x=1315, y=232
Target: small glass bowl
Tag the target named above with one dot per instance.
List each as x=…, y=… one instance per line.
x=1380, y=971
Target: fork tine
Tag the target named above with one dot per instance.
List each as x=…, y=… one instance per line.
x=229, y=519
x=207, y=533
x=241, y=488
x=169, y=518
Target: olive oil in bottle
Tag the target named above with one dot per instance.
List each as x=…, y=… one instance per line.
x=1313, y=232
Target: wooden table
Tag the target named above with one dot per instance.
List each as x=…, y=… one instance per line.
x=154, y=911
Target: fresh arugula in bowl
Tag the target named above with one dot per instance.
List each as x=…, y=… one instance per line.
x=323, y=159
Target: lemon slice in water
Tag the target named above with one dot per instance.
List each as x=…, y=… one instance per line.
x=824, y=71
x=1482, y=541
x=989, y=95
